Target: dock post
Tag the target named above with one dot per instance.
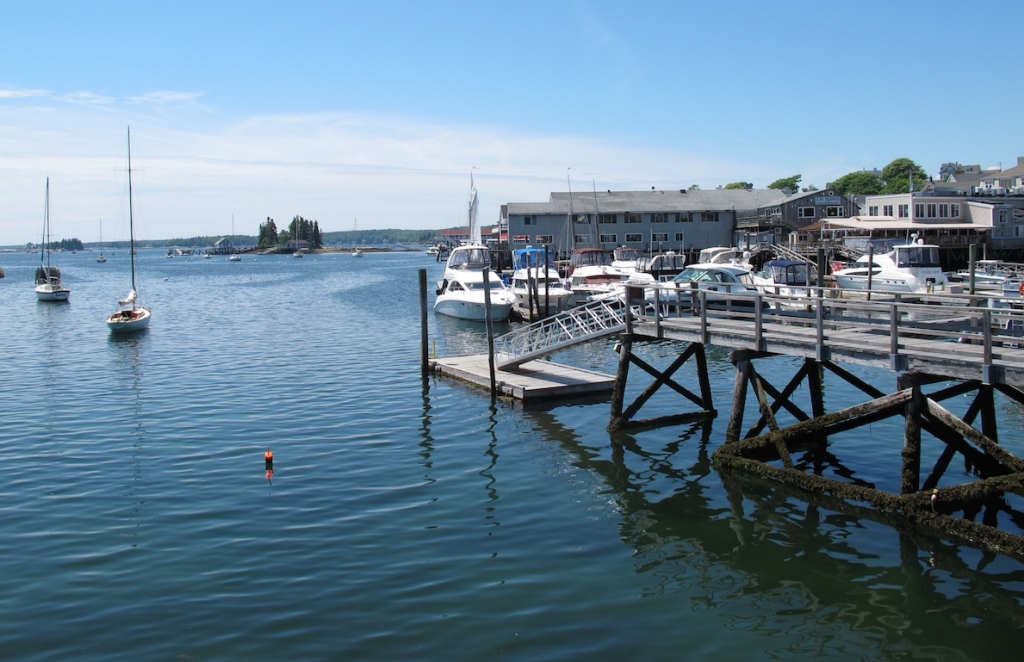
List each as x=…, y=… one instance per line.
x=424, y=362
x=911, y=475
x=621, y=374
x=972, y=252
x=871, y=261
x=821, y=268
x=490, y=332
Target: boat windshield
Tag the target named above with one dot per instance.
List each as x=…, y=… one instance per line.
x=792, y=274
x=470, y=257
x=591, y=258
x=625, y=253
x=495, y=284
x=917, y=256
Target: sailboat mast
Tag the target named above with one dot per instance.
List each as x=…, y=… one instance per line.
x=571, y=230
x=131, y=220
x=46, y=229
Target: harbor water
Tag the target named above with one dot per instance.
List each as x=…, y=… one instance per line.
x=408, y=518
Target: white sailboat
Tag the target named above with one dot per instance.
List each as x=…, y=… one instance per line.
x=462, y=293
x=102, y=257
x=235, y=257
x=130, y=316
x=48, y=285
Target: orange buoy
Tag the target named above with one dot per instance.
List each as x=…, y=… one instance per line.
x=268, y=458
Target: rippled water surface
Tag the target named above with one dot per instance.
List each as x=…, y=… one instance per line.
x=408, y=518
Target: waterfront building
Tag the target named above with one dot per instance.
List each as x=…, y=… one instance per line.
x=655, y=220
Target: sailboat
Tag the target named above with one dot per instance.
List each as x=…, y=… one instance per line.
x=48, y=285
x=102, y=257
x=235, y=257
x=129, y=315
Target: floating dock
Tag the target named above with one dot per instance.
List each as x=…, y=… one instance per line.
x=532, y=381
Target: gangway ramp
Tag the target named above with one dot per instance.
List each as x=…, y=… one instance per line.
x=571, y=327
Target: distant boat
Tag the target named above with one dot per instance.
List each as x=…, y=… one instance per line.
x=298, y=253
x=235, y=257
x=130, y=316
x=48, y=285
x=102, y=257
x=357, y=253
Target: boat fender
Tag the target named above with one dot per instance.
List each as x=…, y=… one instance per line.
x=1020, y=288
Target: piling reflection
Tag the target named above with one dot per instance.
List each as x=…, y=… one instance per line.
x=817, y=575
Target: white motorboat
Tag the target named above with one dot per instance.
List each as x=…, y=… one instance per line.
x=906, y=268
x=462, y=292
x=788, y=278
x=536, y=284
x=592, y=276
x=130, y=316
x=48, y=284
x=726, y=286
x=625, y=259
x=992, y=273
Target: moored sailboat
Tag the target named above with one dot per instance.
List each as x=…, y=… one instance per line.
x=48, y=284
x=130, y=316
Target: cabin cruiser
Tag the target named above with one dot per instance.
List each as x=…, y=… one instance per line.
x=663, y=266
x=992, y=273
x=591, y=275
x=726, y=285
x=536, y=284
x=625, y=258
x=785, y=277
x=461, y=293
x=906, y=268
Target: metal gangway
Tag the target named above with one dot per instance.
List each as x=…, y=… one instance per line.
x=571, y=327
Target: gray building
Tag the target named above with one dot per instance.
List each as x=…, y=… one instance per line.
x=649, y=220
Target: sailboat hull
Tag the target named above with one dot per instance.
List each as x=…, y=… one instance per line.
x=129, y=320
x=49, y=292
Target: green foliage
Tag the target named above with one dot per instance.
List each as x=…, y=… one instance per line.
x=73, y=244
x=694, y=187
x=898, y=173
x=861, y=182
x=787, y=183
x=305, y=230
x=267, y=236
x=739, y=185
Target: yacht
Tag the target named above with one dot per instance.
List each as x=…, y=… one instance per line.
x=910, y=267
x=461, y=293
x=592, y=276
x=536, y=283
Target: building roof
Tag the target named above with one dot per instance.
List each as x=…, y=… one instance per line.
x=611, y=202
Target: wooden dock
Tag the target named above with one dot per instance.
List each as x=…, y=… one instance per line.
x=531, y=382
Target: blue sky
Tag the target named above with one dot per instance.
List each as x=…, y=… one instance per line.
x=372, y=114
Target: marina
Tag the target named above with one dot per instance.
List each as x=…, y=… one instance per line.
x=406, y=511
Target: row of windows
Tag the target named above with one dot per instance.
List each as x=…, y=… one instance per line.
x=921, y=210
x=583, y=240
x=812, y=212
x=630, y=217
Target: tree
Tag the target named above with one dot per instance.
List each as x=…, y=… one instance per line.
x=694, y=187
x=739, y=185
x=267, y=234
x=791, y=184
x=899, y=172
x=861, y=182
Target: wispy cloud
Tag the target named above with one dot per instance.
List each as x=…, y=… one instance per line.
x=23, y=94
x=166, y=96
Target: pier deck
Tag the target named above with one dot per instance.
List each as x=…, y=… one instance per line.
x=532, y=381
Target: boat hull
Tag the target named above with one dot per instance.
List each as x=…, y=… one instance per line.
x=129, y=321
x=472, y=309
x=52, y=293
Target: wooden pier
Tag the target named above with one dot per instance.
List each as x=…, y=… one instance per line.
x=530, y=382
x=928, y=342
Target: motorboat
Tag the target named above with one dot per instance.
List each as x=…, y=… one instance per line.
x=470, y=283
x=48, y=284
x=536, y=283
x=992, y=273
x=725, y=286
x=462, y=292
x=910, y=267
x=785, y=277
x=624, y=258
x=661, y=266
x=724, y=255
x=592, y=276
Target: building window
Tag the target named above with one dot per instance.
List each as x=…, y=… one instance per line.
x=544, y=239
x=609, y=239
x=581, y=239
x=943, y=210
x=805, y=212
x=886, y=210
x=954, y=210
x=684, y=218
x=659, y=237
x=903, y=211
x=932, y=211
x=709, y=217
x=1004, y=216
x=873, y=210
x=582, y=219
x=834, y=212
x=679, y=237
x=658, y=218
x=632, y=218
x=520, y=239
x=918, y=210
x=529, y=220
x=608, y=219
x=634, y=237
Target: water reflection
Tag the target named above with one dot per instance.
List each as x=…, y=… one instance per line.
x=127, y=370
x=819, y=575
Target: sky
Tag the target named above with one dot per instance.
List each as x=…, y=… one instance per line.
x=371, y=115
